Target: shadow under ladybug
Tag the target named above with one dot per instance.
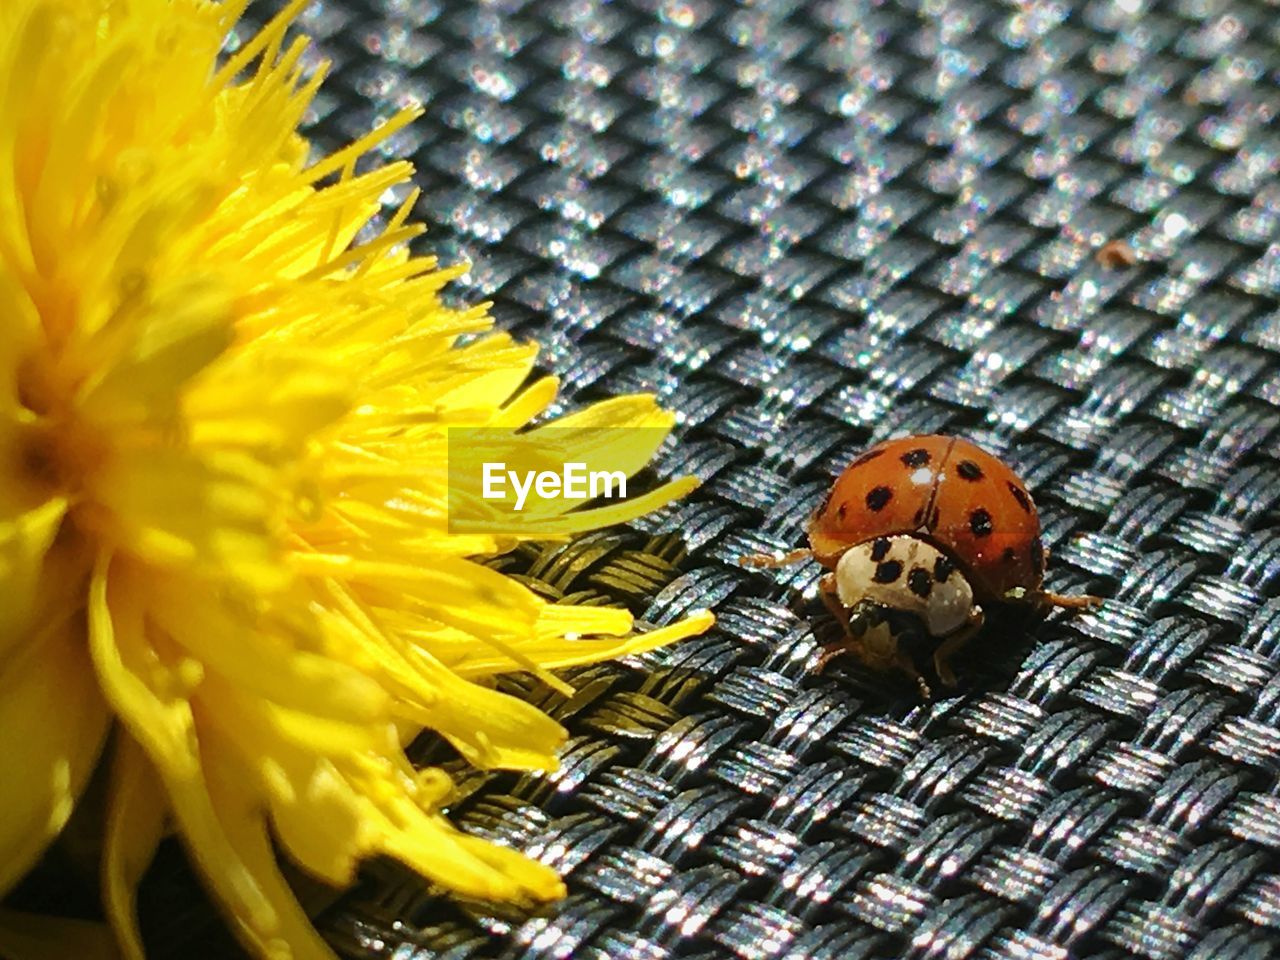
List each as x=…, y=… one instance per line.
x=887, y=642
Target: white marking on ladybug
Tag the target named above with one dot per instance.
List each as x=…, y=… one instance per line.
x=907, y=574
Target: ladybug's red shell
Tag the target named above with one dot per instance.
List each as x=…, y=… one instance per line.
x=944, y=490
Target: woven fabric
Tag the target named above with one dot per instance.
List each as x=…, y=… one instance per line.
x=808, y=227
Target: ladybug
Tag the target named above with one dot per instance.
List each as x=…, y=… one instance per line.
x=920, y=535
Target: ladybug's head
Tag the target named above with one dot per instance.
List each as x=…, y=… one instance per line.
x=908, y=575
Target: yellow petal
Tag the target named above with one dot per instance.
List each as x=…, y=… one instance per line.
x=527, y=404
x=278, y=928
x=318, y=816
x=260, y=656
x=473, y=867
x=209, y=514
x=493, y=730
x=464, y=652
x=135, y=826
x=638, y=411
x=555, y=652
x=227, y=842
x=247, y=718
x=21, y=319
x=454, y=591
x=24, y=544
x=52, y=726
x=32, y=936
x=496, y=367
x=321, y=820
x=190, y=326
x=268, y=400
x=555, y=620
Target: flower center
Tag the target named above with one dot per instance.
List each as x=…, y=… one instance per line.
x=55, y=450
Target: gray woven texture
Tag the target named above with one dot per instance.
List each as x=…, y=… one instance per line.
x=666, y=197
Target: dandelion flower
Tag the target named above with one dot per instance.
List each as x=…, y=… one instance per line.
x=224, y=537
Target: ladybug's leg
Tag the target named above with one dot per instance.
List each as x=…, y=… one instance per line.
x=855, y=630
x=1049, y=599
x=942, y=666
x=850, y=643
x=1044, y=600
x=856, y=645
x=831, y=597
x=906, y=665
x=832, y=651
x=856, y=637
x=762, y=561
x=953, y=644
x=1068, y=602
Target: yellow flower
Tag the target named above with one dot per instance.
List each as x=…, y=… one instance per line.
x=223, y=469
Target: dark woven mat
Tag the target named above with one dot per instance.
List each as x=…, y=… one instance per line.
x=664, y=195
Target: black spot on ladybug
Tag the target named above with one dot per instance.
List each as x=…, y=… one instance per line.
x=969, y=470
x=879, y=498
x=980, y=523
x=942, y=569
x=920, y=582
x=1037, y=557
x=915, y=458
x=919, y=517
x=866, y=458
x=888, y=572
x=879, y=549
x=841, y=511
x=1021, y=496
x=1009, y=555
x=933, y=518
